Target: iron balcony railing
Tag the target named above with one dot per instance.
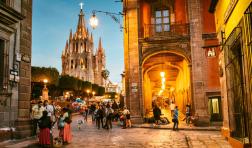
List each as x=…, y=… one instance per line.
x=174, y=29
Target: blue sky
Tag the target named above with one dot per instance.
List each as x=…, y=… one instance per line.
x=51, y=24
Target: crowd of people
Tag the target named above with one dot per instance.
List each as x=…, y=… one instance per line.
x=47, y=116
x=174, y=114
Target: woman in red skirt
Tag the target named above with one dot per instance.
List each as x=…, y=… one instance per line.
x=44, y=126
x=67, y=134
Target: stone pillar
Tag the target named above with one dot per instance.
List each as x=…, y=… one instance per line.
x=131, y=57
x=198, y=62
x=23, y=128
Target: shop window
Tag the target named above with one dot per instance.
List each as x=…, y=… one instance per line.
x=214, y=105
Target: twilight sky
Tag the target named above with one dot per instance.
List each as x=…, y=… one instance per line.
x=51, y=24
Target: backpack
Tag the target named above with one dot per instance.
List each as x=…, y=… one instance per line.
x=110, y=113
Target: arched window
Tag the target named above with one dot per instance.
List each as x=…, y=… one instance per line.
x=77, y=47
x=86, y=62
x=82, y=64
x=72, y=64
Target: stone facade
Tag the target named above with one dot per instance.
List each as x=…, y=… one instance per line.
x=15, y=35
x=173, y=36
x=78, y=58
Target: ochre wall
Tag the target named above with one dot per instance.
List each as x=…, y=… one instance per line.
x=147, y=94
x=180, y=11
x=182, y=86
x=213, y=81
x=207, y=18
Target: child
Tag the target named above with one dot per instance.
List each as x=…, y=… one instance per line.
x=61, y=124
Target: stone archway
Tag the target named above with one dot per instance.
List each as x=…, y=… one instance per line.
x=177, y=85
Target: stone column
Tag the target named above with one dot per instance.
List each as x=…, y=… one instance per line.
x=23, y=128
x=198, y=62
x=131, y=57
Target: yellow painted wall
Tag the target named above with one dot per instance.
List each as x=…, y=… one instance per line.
x=234, y=18
x=182, y=86
x=147, y=91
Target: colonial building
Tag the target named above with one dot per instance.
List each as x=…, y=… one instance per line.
x=78, y=57
x=15, y=68
x=233, y=20
x=171, y=53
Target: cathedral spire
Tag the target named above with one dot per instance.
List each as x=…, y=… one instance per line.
x=66, y=47
x=91, y=37
x=70, y=35
x=81, y=28
x=100, y=44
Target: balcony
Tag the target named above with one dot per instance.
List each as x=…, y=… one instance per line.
x=174, y=30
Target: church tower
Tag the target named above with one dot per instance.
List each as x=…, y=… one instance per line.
x=78, y=58
x=101, y=63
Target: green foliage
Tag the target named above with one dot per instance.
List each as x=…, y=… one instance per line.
x=101, y=91
x=57, y=84
x=36, y=89
x=38, y=74
x=105, y=74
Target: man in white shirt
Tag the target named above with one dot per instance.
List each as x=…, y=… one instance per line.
x=37, y=112
x=50, y=110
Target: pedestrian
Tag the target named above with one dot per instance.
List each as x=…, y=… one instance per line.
x=157, y=113
x=99, y=117
x=45, y=127
x=61, y=124
x=50, y=110
x=85, y=113
x=67, y=134
x=175, y=119
x=126, y=113
x=172, y=107
x=37, y=113
x=109, y=116
x=188, y=114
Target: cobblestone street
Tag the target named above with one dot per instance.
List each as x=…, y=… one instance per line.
x=89, y=136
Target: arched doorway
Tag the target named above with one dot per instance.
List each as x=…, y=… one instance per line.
x=166, y=78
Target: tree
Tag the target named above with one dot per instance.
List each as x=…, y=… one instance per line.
x=105, y=74
x=38, y=74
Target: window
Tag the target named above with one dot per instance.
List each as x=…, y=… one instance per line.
x=162, y=20
x=1, y=63
x=76, y=47
x=71, y=64
x=3, y=66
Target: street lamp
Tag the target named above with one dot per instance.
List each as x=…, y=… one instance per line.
x=115, y=16
x=93, y=21
x=88, y=91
